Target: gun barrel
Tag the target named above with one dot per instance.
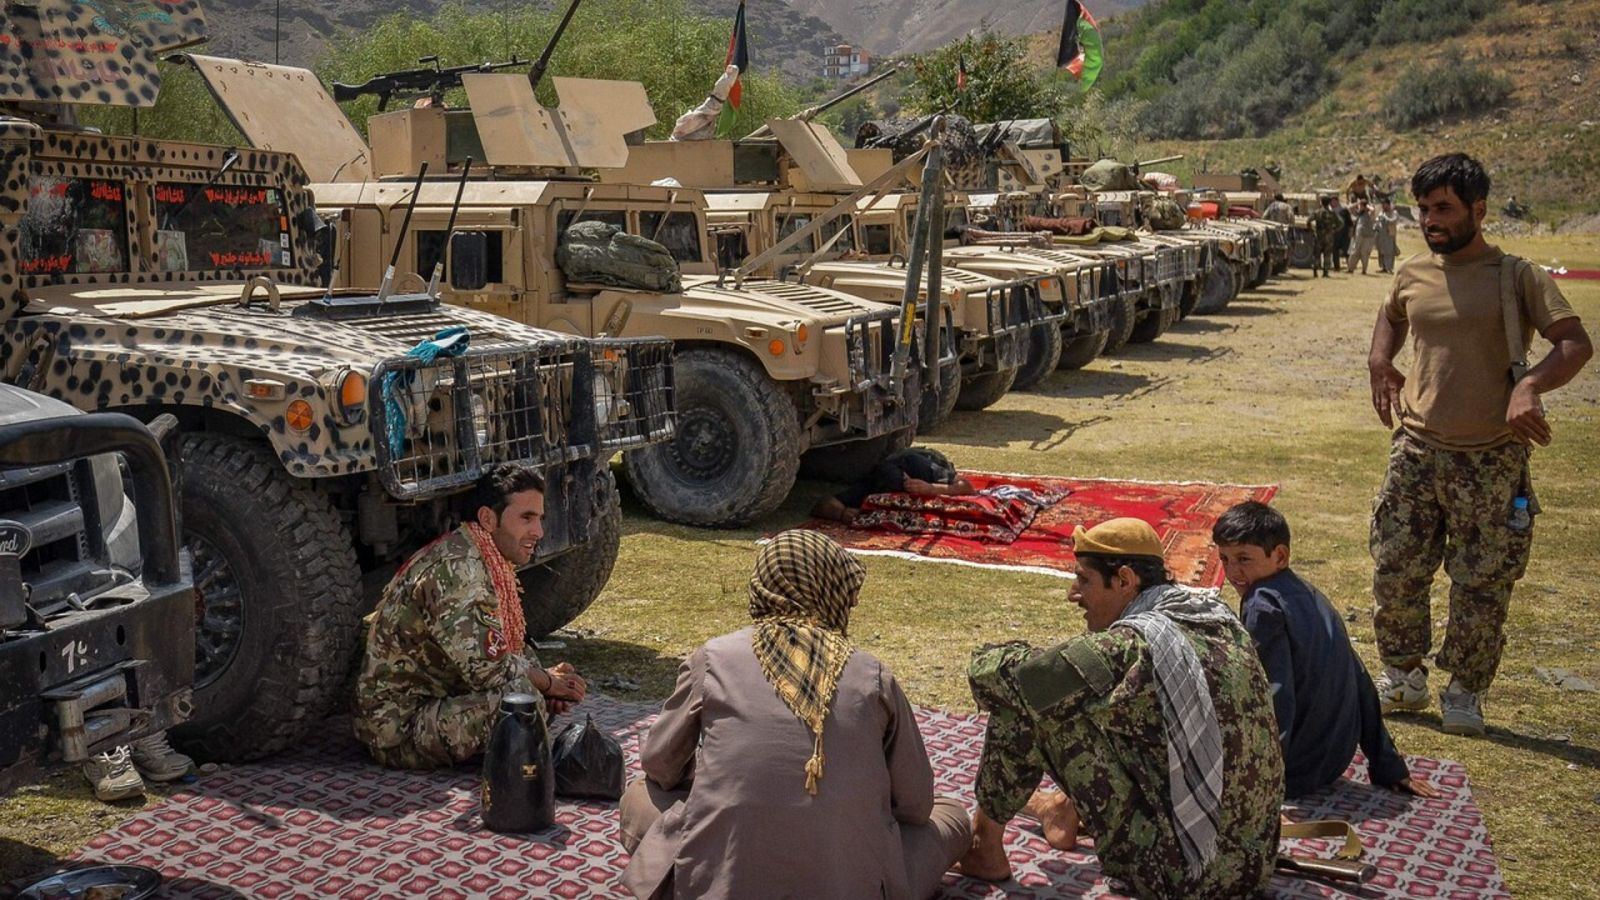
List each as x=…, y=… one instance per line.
x=829, y=103
x=1164, y=159
x=536, y=74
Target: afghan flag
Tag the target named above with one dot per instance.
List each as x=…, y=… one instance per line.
x=738, y=55
x=1082, y=52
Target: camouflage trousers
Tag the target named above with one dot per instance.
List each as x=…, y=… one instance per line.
x=442, y=732
x=1450, y=507
x=1322, y=252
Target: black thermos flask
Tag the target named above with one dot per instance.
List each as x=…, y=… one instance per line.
x=519, y=783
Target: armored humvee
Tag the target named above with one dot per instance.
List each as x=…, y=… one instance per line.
x=781, y=208
x=763, y=371
x=324, y=434
x=96, y=606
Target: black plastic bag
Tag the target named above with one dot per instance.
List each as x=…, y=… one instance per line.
x=589, y=764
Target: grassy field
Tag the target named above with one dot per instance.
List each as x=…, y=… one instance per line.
x=1272, y=391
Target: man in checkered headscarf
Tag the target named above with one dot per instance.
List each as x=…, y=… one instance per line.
x=738, y=799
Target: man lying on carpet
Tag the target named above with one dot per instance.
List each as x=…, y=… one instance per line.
x=1165, y=679
x=738, y=799
x=914, y=470
x=447, y=639
x=1324, y=700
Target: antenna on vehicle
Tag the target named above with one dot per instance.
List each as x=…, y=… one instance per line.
x=229, y=160
x=387, y=287
x=449, y=231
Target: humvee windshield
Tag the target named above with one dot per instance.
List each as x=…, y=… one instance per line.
x=878, y=238
x=220, y=227
x=74, y=226
x=789, y=223
x=681, y=235
x=80, y=226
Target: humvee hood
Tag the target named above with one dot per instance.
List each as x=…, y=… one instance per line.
x=278, y=343
x=18, y=405
x=794, y=301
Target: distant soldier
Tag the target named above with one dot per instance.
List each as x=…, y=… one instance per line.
x=1347, y=225
x=1458, y=490
x=447, y=639
x=1325, y=225
x=1388, y=236
x=1279, y=210
x=1157, y=723
x=1365, y=223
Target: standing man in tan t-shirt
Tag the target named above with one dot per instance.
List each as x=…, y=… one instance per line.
x=1457, y=490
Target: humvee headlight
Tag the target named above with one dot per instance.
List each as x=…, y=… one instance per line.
x=352, y=387
x=299, y=416
x=775, y=346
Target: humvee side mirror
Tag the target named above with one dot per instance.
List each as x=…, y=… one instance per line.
x=469, y=260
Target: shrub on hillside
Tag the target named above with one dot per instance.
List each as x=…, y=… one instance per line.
x=1452, y=87
x=1407, y=21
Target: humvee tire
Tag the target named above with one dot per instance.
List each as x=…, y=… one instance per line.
x=845, y=463
x=933, y=412
x=983, y=391
x=1044, y=354
x=558, y=591
x=1261, y=274
x=1217, y=288
x=1189, y=297
x=1302, y=252
x=280, y=589
x=1082, y=350
x=736, y=451
x=1153, y=325
x=1123, y=310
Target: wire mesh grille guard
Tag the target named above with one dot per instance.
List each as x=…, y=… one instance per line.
x=633, y=392
x=870, y=344
x=452, y=418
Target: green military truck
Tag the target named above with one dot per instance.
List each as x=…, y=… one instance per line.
x=325, y=435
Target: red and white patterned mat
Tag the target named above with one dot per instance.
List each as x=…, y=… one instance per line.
x=326, y=822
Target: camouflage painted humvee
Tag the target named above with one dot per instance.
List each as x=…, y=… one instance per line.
x=324, y=434
x=764, y=371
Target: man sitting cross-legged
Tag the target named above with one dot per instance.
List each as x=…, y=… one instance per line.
x=447, y=640
x=1324, y=699
x=1156, y=723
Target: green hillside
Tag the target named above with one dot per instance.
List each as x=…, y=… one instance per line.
x=1329, y=90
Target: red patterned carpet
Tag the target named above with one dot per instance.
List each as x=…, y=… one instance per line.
x=324, y=822
x=1182, y=514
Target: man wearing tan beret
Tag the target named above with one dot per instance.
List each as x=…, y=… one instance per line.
x=1157, y=724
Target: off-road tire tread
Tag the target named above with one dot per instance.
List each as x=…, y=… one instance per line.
x=985, y=390
x=555, y=593
x=1083, y=349
x=778, y=472
x=1123, y=311
x=1044, y=355
x=299, y=682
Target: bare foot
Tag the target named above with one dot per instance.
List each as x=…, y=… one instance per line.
x=986, y=859
x=1058, y=818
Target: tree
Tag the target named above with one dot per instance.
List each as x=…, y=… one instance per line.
x=676, y=54
x=1001, y=81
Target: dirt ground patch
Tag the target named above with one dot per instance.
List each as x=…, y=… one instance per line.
x=1273, y=390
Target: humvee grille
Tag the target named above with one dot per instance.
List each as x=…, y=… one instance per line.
x=638, y=409
x=56, y=504
x=438, y=425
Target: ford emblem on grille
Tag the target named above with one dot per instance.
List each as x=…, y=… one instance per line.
x=15, y=538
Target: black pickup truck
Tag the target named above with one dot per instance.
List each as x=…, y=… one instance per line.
x=96, y=605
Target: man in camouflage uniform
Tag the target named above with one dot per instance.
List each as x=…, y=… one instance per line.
x=1325, y=227
x=446, y=640
x=1164, y=674
x=1458, y=491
